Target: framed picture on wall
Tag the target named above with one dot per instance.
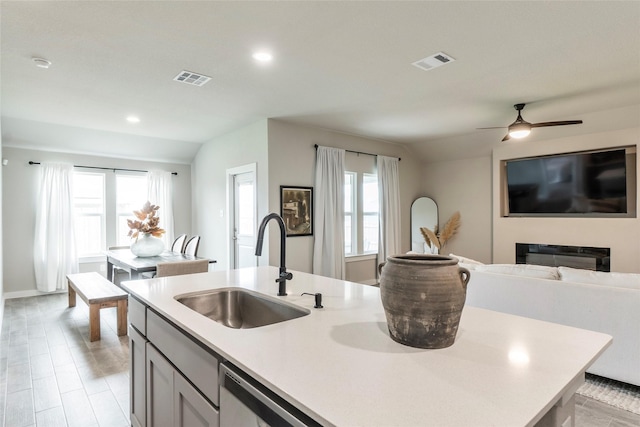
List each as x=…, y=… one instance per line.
x=296, y=209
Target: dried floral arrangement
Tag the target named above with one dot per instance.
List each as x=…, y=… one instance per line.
x=439, y=238
x=147, y=222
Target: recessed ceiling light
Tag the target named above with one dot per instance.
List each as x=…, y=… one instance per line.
x=262, y=56
x=133, y=119
x=41, y=62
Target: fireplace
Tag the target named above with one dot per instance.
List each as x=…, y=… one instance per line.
x=585, y=257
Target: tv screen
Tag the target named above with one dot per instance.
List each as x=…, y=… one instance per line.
x=568, y=184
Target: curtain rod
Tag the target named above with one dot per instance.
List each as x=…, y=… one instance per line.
x=356, y=152
x=106, y=169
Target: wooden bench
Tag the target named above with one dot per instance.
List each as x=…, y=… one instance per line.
x=98, y=293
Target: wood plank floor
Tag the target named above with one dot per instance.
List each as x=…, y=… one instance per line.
x=52, y=375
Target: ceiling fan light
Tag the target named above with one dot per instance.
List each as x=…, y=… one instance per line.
x=517, y=134
x=519, y=130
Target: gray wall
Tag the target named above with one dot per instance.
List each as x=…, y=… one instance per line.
x=465, y=186
x=622, y=235
x=292, y=162
x=241, y=147
x=285, y=155
x=473, y=187
x=19, y=192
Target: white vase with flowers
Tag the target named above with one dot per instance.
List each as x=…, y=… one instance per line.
x=146, y=232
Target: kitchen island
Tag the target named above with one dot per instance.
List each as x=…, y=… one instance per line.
x=339, y=366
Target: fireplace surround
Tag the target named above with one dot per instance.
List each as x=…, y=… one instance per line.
x=585, y=257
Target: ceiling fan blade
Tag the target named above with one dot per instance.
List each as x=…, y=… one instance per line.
x=561, y=123
x=520, y=128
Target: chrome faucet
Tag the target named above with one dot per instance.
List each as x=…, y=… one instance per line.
x=284, y=275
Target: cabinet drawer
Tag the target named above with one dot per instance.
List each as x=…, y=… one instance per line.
x=137, y=315
x=195, y=363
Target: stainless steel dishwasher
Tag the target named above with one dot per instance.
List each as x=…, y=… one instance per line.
x=245, y=403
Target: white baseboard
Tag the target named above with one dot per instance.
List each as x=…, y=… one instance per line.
x=29, y=293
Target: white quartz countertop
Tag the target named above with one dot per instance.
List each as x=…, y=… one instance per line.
x=340, y=366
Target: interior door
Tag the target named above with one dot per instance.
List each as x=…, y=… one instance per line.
x=244, y=220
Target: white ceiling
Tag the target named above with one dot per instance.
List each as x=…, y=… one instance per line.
x=338, y=65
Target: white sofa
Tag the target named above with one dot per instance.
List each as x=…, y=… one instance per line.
x=572, y=299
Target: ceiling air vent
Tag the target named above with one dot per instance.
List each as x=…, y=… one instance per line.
x=191, y=78
x=433, y=61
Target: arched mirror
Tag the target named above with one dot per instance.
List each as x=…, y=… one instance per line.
x=424, y=213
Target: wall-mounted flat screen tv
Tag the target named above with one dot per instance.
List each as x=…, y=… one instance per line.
x=594, y=183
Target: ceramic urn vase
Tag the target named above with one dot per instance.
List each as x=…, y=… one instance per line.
x=423, y=296
x=146, y=245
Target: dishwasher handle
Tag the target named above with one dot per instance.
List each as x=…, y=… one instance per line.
x=254, y=399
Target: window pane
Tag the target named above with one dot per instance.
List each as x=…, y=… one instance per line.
x=349, y=208
x=88, y=194
x=89, y=211
x=245, y=202
x=122, y=228
x=348, y=247
x=370, y=207
x=349, y=179
x=370, y=193
x=370, y=233
x=131, y=194
x=88, y=235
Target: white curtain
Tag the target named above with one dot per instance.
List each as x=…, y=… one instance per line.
x=160, y=193
x=389, y=195
x=54, y=246
x=328, y=247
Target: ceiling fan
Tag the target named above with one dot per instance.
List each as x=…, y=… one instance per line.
x=521, y=128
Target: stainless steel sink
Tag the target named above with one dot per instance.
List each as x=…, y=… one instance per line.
x=240, y=309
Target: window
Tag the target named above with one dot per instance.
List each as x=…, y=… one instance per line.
x=349, y=217
x=360, y=213
x=131, y=194
x=103, y=201
x=246, y=221
x=370, y=207
x=89, y=212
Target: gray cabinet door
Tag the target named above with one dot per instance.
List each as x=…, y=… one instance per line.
x=159, y=389
x=195, y=363
x=190, y=408
x=137, y=372
x=171, y=399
